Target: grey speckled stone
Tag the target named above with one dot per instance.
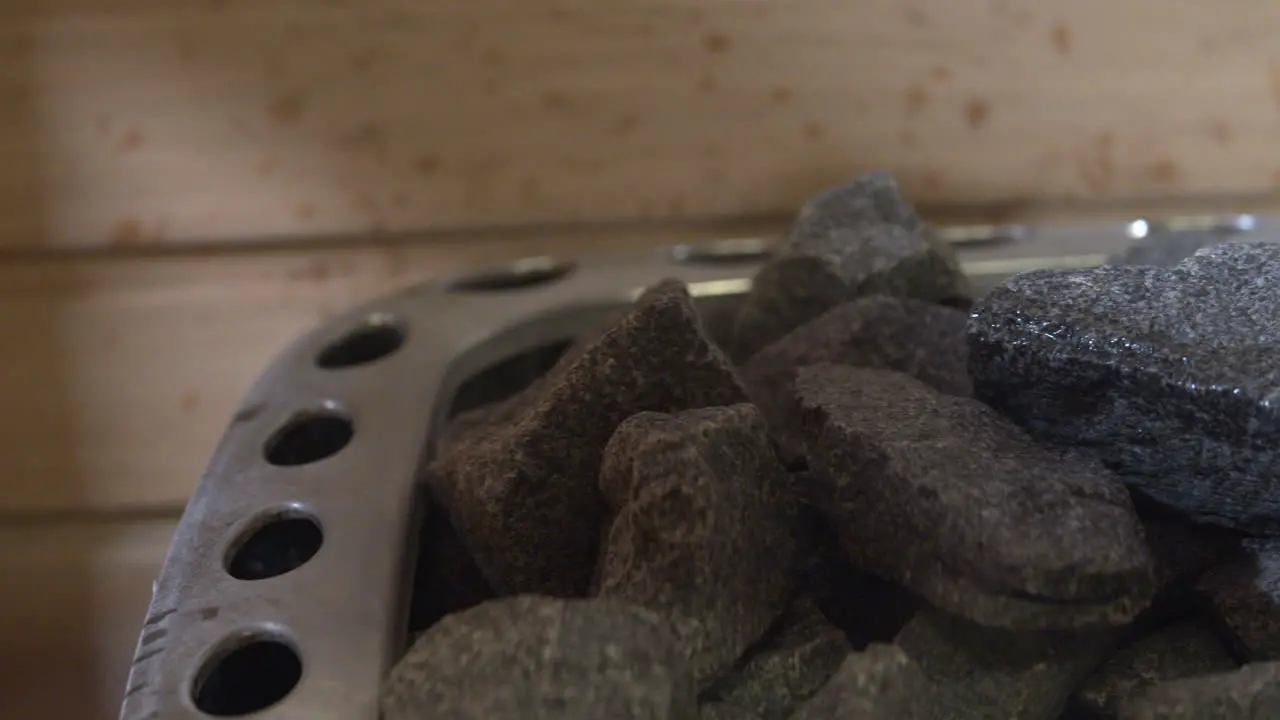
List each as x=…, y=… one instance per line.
x=534, y=657
x=942, y=495
x=859, y=239
x=1243, y=595
x=1250, y=693
x=525, y=500
x=978, y=673
x=924, y=340
x=880, y=682
x=1170, y=376
x=703, y=531
x=1185, y=649
x=788, y=666
x=724, y=711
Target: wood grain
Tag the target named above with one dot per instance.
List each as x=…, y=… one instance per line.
x=75, y=595
x=136, y=122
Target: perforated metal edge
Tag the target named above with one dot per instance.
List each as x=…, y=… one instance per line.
x=344, y=611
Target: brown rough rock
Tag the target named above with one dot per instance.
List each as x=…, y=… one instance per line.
x=790, y=665
x=880, y=682
x=1243, y=596
x=1181, y=650
x=978, y=673
x=922, y=339
x=942, y=495
x=859, y=239
x=530, y=657
x=1250, y=693
x=703, y=531
x=524, y=499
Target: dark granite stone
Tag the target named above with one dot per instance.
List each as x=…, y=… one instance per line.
x=725, y=711
x=880, y=682
x=924, y=340
x=786, y=668
x=859, y=239
x=525, y=500
x=1169, y=376
x=1250, y=693
x=942, y=495
x=533, y=657
x=499, y=416
x=1243, y=596
x=1181, y=650
x=1165, y=249
x=978, y=673
x=703, y=530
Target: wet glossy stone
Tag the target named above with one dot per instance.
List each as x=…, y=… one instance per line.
x=1169, y=376
x=1250, y=693
x=978, y=673
x=1243, y=595
x=702, y=530
x=788, y=666
x=942, y=495
x=922, y=339
x=880, y=682
x=859, y=239
x=525, y=499
x=1181, y=650
x=534, y=657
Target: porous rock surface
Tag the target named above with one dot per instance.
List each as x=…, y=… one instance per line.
x=1170, y=376
x=787, y=667
x=859, y=239
x=942, y=495
x=879, y=682
x=1250, y=693
x=980, y=673
x=1183, y=649
x=538, y=657
x=524, y=497
x=922, y=339
x=702, y=529
x=1243, y=595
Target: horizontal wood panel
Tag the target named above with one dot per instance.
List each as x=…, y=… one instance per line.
x=75, y=596
x=121, y=372
x=132, y=122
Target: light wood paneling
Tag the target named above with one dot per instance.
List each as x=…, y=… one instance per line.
x=74, y=598
x=141, y=121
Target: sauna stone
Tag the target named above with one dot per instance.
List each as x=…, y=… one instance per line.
x=1181, y=650
x=789, y=666
x=879, y=682
x=702, y=529
x=922, y=339
x=942, y=495
x=1243, y=595
x=979, y=673
x=532, y=657
x=1250, y=693
x=859, y=239
x=1170, y=376
x=525, y=499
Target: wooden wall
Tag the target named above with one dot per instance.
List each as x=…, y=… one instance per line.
x=186, y=185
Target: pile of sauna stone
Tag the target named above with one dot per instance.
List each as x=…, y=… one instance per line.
x=879, y=497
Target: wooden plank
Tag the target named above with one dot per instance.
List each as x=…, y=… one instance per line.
x=146, y=121
x=75, y=598
x=122, y=372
